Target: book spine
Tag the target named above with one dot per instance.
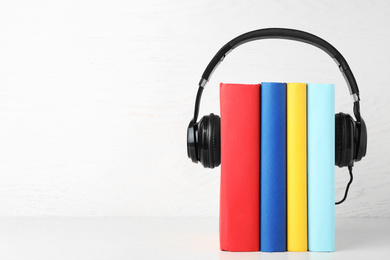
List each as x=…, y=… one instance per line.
x=320, y=167
x=296, y=168
x=240, y=167
x=273, y=167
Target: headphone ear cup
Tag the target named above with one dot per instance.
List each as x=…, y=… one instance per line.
x=209, y=144
x=344, y=139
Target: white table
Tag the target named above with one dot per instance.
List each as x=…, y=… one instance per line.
x=166, y=238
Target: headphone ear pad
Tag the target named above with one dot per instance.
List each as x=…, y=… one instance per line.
x=215, y=140
x=192, y=142
x=344, y=139
x=209, y=145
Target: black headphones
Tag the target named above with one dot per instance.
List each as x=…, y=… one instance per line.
x=204, y=137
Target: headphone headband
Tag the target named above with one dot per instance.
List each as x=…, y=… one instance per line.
x=287, y=34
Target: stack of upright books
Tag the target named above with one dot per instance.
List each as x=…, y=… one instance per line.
x=277, y=167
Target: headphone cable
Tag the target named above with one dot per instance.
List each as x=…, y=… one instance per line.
x=349, y=183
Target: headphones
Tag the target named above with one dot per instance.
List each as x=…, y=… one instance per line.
x=204, y=137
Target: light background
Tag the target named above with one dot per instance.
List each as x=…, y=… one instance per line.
x=95, y=98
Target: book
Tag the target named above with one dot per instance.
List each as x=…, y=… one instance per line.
x=320, y=167
x=296, y=168
x=240, y=167
x=273, y=167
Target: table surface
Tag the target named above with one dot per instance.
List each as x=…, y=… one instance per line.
x=166, y=238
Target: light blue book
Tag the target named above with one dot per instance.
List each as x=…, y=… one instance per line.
x=321, y=167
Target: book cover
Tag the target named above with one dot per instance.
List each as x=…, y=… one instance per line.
x=273, y=167
x=296, y=168
x=240, y=167
x=320, y=167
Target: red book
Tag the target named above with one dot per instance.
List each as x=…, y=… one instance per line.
x=239, y=219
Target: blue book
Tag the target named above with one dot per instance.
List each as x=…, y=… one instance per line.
x=273, y=167
x=320, y=167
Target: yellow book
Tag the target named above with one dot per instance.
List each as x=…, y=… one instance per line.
x=296, y=168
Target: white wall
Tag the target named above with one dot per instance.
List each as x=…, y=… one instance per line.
x=95, y=98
